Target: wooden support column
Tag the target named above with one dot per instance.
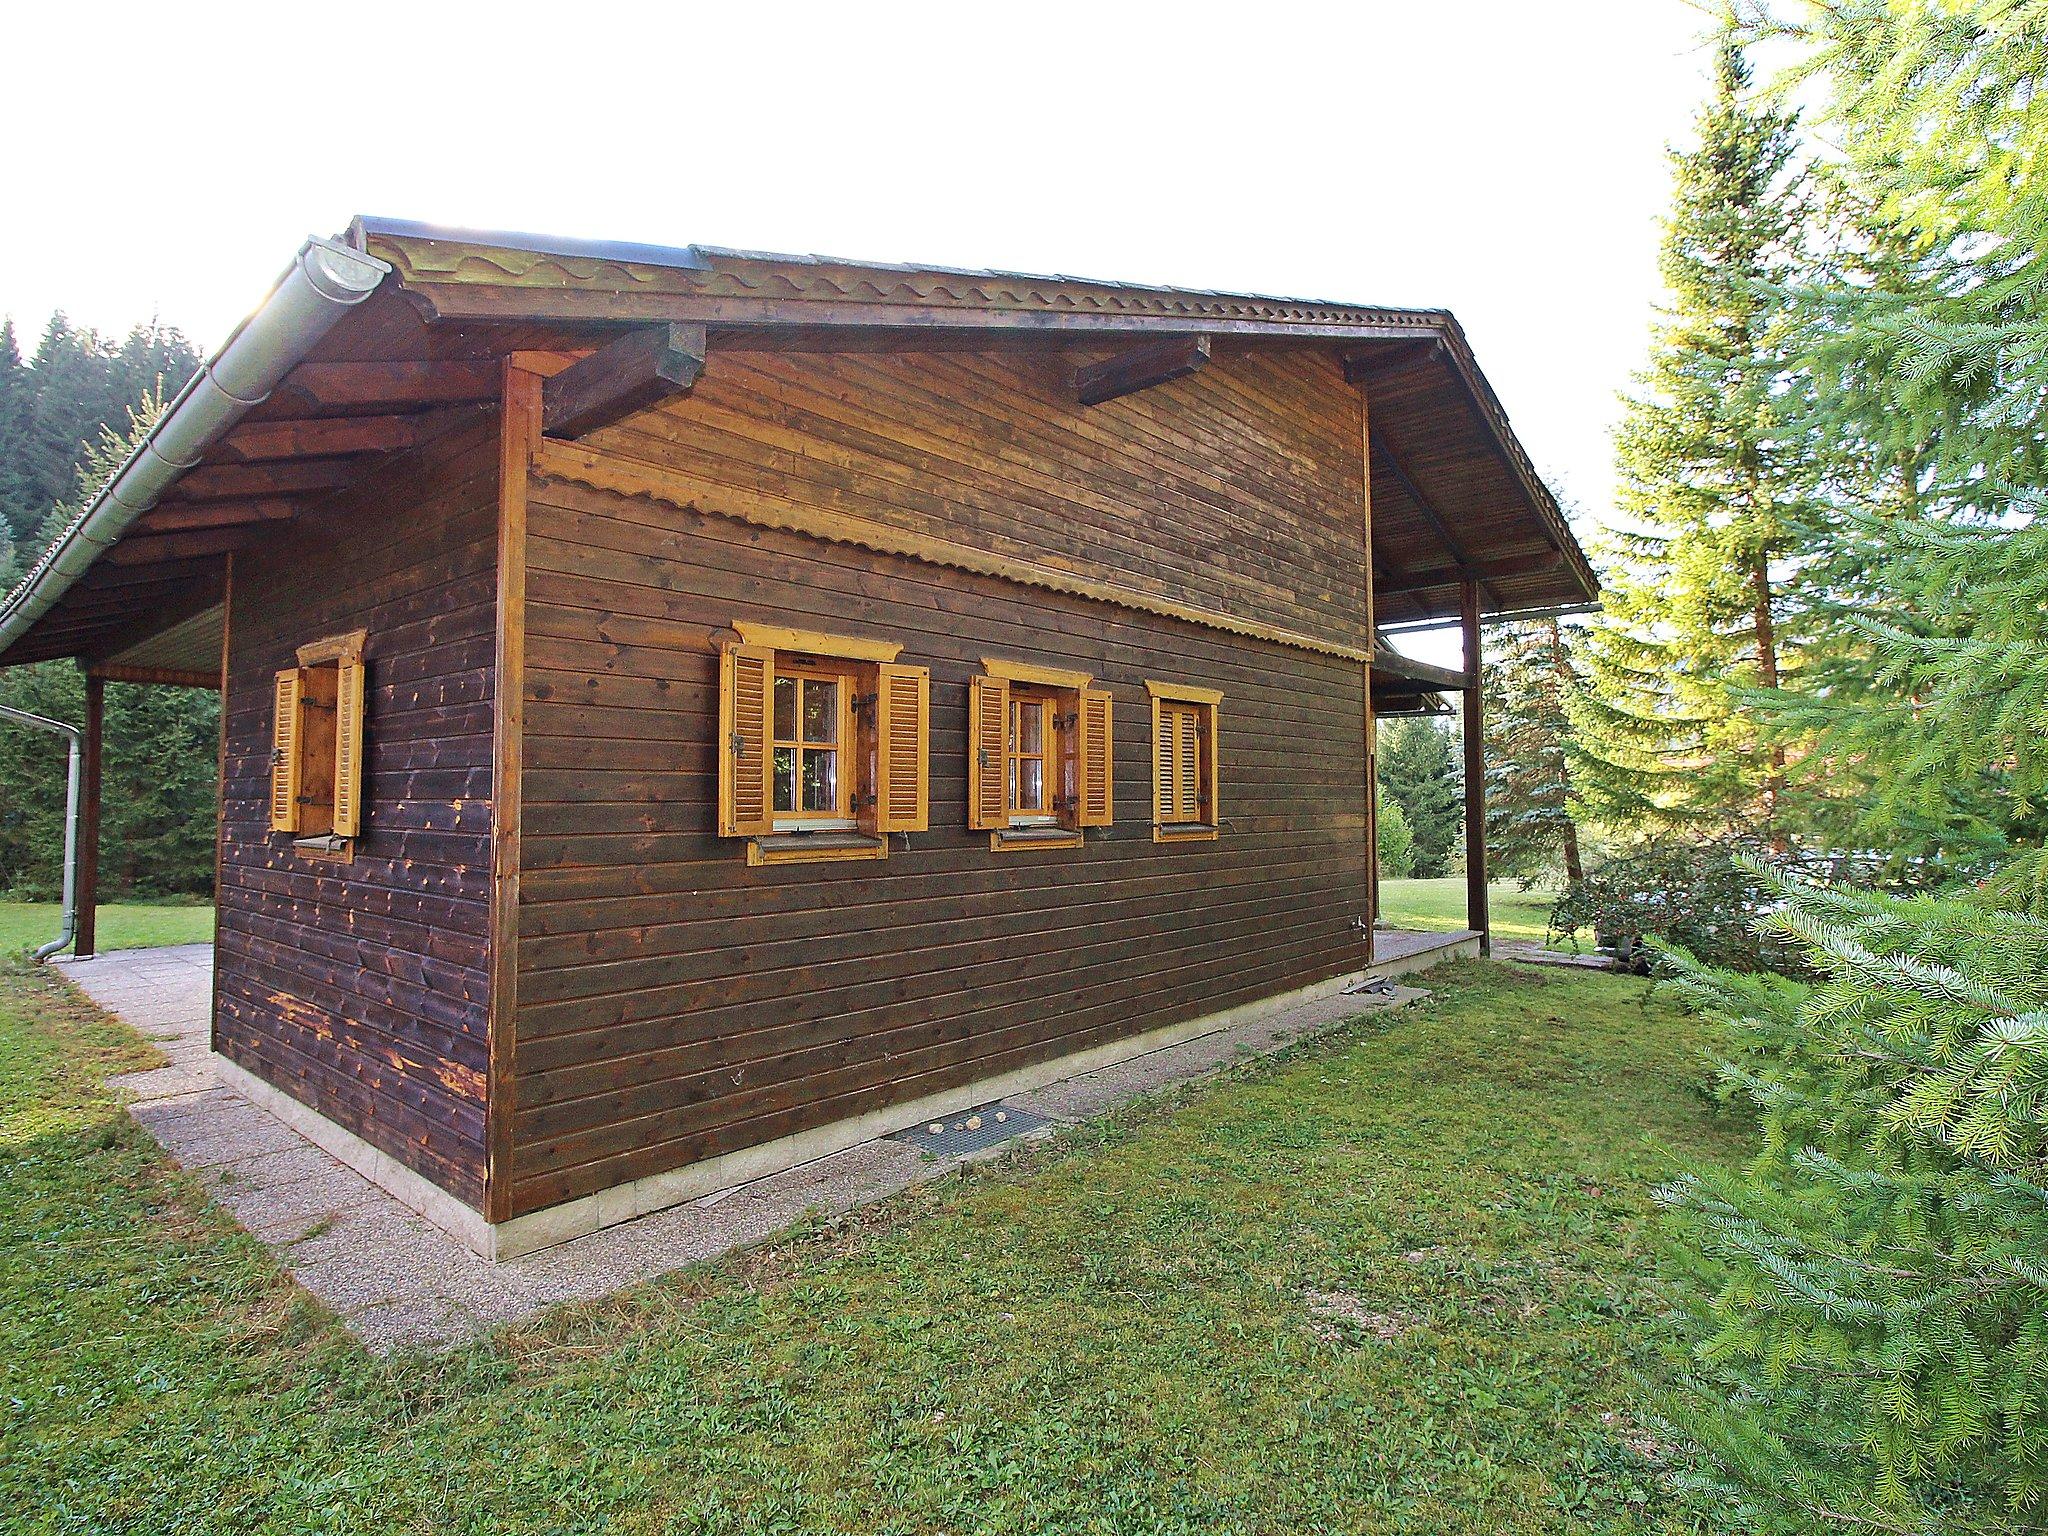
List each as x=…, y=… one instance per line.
x=83, y=945
x=1475, y=776
x=1371, y=726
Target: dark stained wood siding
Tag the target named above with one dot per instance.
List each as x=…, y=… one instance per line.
x=361, y=988
x=675, y=1003
x=1236, y=488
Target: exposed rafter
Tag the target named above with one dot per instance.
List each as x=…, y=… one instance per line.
x=338, y=386
x=1143, y=367
x=632, y=373
x=254, y=441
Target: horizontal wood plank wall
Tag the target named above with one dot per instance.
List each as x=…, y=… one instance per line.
x=360, y=988
x=1238, y=487
x=675, y=1003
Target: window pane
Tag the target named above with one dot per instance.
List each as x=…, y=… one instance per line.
x=821, y=710
x=821, y=781
x=1030, y=726
x=785, y=708
x=1030, y=784
x=785, y=778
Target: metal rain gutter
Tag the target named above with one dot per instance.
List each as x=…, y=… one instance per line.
x=324, y=282
x=72, y=735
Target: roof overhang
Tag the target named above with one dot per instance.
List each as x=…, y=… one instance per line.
x=372, y=343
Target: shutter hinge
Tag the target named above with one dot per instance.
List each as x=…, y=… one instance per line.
x=739, y=744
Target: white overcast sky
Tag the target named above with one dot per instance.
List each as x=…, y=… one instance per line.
x=1503, y=159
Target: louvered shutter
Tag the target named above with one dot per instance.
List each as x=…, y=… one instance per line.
x=1187, y=766
x=1208, y=807
x=348, y=747
x=1092, y=760
x=1163, y=775
x=284, y=754
x=902, y=736
x=746, y=682
x=988, y=745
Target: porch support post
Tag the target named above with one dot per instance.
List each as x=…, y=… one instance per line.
x=83, y=946
x=1475, y=776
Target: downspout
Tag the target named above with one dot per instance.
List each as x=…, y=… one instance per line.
x=71, y=734
x=325, y=281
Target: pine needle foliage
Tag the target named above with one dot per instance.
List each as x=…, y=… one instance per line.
x=1530, y=829
x=1712, y=477
x=1878, y=1352
x=1924, y=340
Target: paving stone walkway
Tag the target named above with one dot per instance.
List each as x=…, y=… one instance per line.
x=401, y=1283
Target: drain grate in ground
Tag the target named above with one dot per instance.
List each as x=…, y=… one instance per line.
x=969, y=1130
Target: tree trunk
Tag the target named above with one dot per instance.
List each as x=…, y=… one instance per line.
x=1767, y=677
x=1574, y=869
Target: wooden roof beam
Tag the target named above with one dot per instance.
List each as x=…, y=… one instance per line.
x=1392, y=663
x=1459, y=554
x=283, y=477
x=1389, y=360
x=630, y=374
x=1157, y=362
x=340, y=386
x=254, y=441
x=1443, y=577
x=189, y=516
x=140, y=548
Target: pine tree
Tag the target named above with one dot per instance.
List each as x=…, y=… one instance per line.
x=1696, y=605
x=157, y=802
x=1878, y=1355
x=1419, y=772
x=1396, y=842
x=1529, y=822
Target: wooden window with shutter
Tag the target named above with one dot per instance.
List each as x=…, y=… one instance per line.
x=317, y=746
x=823, y=745
x=1038, y=755
x=1185, y=761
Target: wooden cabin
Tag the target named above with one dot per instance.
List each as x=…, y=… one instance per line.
x=689, y=710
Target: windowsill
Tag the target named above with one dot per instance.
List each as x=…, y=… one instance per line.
x=1184, y=832
x=815, y=847
x=1049, y=834
x=339, y=850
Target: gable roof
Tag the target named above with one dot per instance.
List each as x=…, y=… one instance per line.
x=423, y=314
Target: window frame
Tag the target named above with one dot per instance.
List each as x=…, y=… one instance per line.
x=330, y=758
x=883, y=709
x=1059, y=692
x=1204, y=707
x=846, y=678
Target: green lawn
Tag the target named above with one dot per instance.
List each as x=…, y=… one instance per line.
x=1400, y=1279
x=1439, y=904
x=32, y=924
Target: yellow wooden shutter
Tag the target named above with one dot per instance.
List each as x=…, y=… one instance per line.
x=1164, y=756
x=1187, y=765
x=902, y=736
x=284, y=754
x=746, y=685
x=1094, y=775
x=988, y=745
x=348, y=747
x=1211, y=738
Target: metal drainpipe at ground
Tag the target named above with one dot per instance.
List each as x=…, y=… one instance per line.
x=75, y=737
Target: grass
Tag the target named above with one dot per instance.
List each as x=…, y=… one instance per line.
x=1402, y=1278
x=1435, y=905
x=31, y=924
